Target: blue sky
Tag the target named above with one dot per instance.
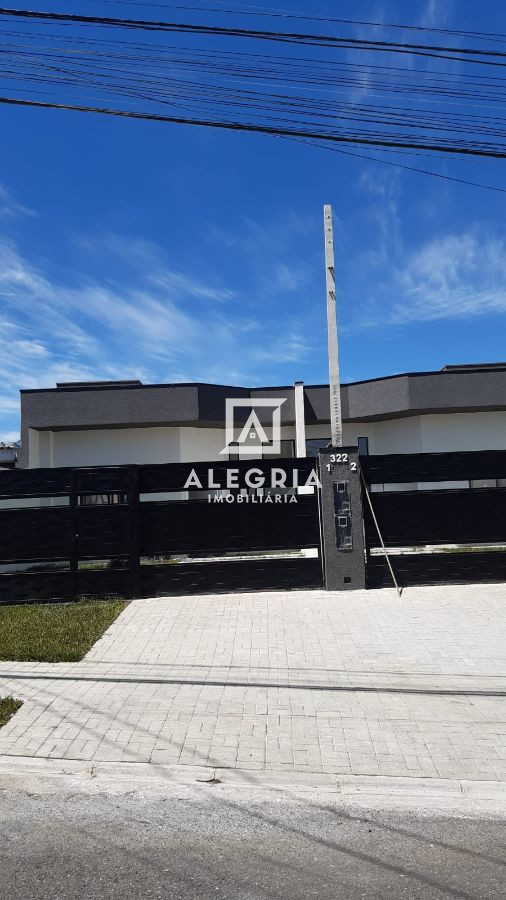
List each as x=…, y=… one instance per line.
x=137, y=250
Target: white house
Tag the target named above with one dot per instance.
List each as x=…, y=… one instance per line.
x=111, y=423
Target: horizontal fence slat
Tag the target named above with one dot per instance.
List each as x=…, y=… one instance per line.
x=174, y=476
x=104, y=582
x=103, y=480
x=57, y=482
x=219, y=577
x=199, y=526
x=453, y=466
x=81, y=533
x=26, y=586
x=34, y=482
x=103, y=531
x=437, y=568
x=28, y=534
x=156, y=477
x=436, y=517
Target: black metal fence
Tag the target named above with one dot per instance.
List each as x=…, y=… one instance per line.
x=441, y=515
x=136, y=531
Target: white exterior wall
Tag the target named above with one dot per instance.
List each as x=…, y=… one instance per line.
x=398, y=436
x=33, y=448
x=464, y=431
x=432, y=433
x=201, y=444
x=40, y=450
x=111, y=446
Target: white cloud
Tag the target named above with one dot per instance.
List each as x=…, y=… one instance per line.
x=10, y=208
x=291, y=278
x=380, y=182
x=454, y=276
x=284, y=349
x=183, y=285
x=9, y=437
x=436, y=13
x=460, y=275
x=268, y=251
x=147, y=260
x=30, y=348
x=8, y=403
x=157, y=325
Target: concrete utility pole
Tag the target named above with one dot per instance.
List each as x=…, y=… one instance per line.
x=336, y=423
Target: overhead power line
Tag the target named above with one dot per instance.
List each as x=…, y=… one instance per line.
x=465, y=54
x=257, y=129
x=331, y=98
x=252, y=10
x=389, y=162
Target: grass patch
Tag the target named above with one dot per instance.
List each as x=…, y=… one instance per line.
x=54, y=632
x=8, y=706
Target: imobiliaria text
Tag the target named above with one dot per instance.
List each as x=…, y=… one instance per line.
x=254, y=479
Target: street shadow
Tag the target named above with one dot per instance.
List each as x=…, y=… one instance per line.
x=336, y=810
x=351, y=688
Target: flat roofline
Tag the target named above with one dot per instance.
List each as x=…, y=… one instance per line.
x=475, y=367
x=324, y=422
x=125, y=386
x=76, y=385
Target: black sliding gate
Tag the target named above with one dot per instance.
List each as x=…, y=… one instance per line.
x=132, y=531
x=442, y=516
x=139, y=531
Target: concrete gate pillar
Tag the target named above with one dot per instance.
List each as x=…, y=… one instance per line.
x=342, y=519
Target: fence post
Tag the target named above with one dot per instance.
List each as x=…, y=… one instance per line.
x=342, y=519
x=135, y=534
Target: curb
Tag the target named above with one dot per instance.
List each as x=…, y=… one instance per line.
x=17, y=771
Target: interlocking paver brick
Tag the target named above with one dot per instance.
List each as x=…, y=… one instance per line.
x=360, y=682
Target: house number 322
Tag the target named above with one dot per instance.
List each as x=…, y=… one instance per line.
x=342, y=459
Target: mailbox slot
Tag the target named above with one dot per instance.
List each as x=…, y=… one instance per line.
x=342, y=516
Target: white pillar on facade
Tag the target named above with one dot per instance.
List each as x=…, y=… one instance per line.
x=300, y=422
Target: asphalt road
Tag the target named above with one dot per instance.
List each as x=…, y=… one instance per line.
x=210, y=842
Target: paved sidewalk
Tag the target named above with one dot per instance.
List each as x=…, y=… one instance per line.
x=357, y=683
